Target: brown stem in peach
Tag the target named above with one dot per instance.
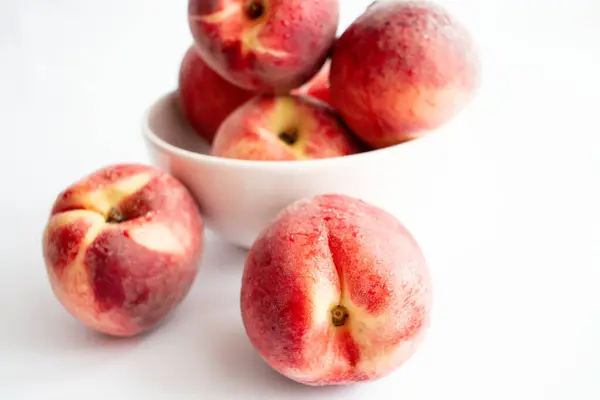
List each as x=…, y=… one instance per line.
x=339, y=315
x=115, y=217
x=255, y=10
x=289, y=137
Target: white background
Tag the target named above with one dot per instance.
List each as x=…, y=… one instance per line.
x=515, y=263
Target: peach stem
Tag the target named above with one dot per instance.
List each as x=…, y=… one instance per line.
x=255, y=10
x=289, y=138
x=339, y=315
x=114, y=216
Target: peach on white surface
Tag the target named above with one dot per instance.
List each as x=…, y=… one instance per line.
x=122, y=247
x=335, y=291
x=283, y=128
x=264, y=45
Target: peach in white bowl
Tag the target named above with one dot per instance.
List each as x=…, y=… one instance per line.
x=239, y=198
x=396, y=80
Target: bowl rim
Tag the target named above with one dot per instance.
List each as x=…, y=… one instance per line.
x=209, y=159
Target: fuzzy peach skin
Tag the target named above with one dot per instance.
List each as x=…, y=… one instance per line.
x=122, y=247
x=335, y=291
x=283, y=128
x=264, y=45
x=206, y=99
x=402, y=69
x=318, y=86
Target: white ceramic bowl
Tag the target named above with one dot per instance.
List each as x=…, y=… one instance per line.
x=239, y=198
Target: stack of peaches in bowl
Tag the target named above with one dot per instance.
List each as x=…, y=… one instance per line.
x=305, y=147
x=272, y=107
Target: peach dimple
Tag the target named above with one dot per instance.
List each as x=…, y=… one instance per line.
x=335, y=291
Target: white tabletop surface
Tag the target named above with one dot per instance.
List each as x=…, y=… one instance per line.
x=516, y=260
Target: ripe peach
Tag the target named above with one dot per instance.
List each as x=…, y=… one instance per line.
x=287, y=127
x=402, y=69
x=264, y=45
x=318, y=86
x=122, y=247
x=335, y=291
x=206, y=99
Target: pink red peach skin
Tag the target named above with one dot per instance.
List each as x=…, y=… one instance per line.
x=122, y=248
x=318, y=86
x=335, y=291
x=283, y=128
x=206, y=99
x=270, y=46
x=402, y=69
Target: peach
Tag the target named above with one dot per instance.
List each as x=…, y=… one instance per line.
x=264, y=45
x=318, y=86
x=122, y=247
x=335, y=291
x=283, y=128
x=206, y=99
x=402, y=69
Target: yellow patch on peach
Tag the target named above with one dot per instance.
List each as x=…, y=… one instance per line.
x=325, y=296
x=250, y=38
x=307, y=123
x=259, y=48
x=424, y=103
x=157, y=237
x=251, y=42
x=272, y=52
x=268, y=135
x=286, y=117
x=364, y=327
x=104, y=198
x=183, y=234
